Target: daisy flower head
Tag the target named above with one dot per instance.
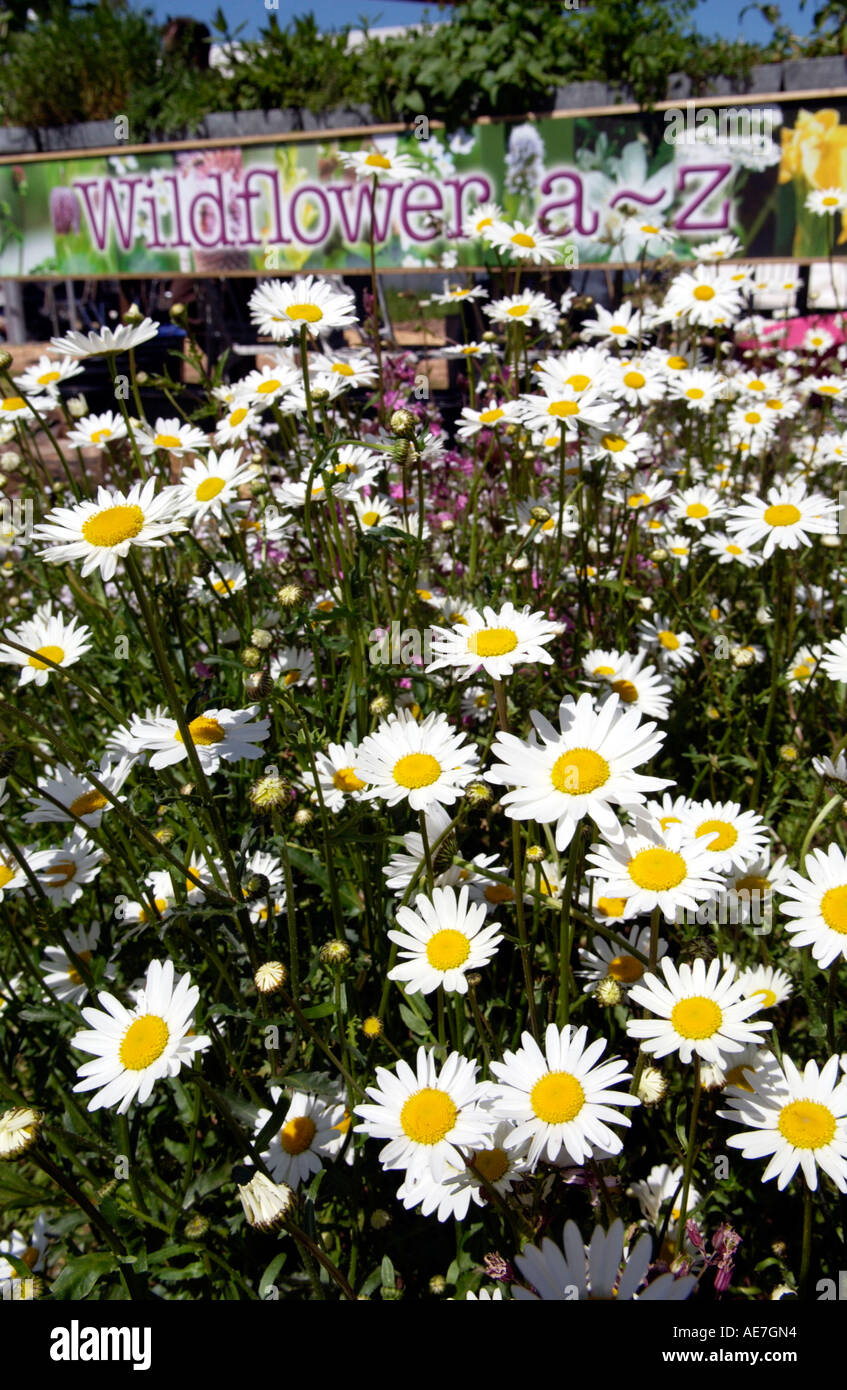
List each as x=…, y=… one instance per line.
x=281, y=308
x=731, y=837
x=306, y=1137
x=641, y=689
x=524, y=241
x=174, y=436
x=651, y=867
x=799, y=1121
x=441, y=940
x=529, y=307
x=766, y=983
x=696, y=506
x=497, y=642
x=699, y=1011
x=494, y=1166
x=425, y=764
x=676, y=648
x=584, y=768
x=594, y=1272
x=563, y=1098
x=834, y=659
x=107, y=341
x=427, y=1115
x=609, y=961
x=47, y=635
x=728, y=550
x=133, y=1049
x=338, y=775
x=600, y=664
x=704, y=296
x=78, y=800
x=64, y=872
x=211, y=484
x=622, y=325
x=381, y=162
x=803, y=667
x=826, y=202
x=293, y=666
x=496, y=415
x=786, y=520
x=239, y=421
x=479, y=222
x=218, y=735
x=60, y=972
x=102, y=532
x=46, y=373
x=818, y=902
x=96, y=431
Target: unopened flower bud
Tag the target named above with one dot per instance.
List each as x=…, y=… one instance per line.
x=652, y=1086
x=335, y=953
x=258, y=685
x=265, y=1203
x=133, y=314
x=404, y=453
x=608, y=993
x=196, y=1227
x=830, y=540
x=18, y=1130
x=404, y=424
x=250, y=657
x=261, y=638
x=540, y=514
x=268, y=793
x=489, y=336
x=270, y=977
x=534, y=854
x=320, y=395
x=289, y=595
x=372, y=1027
x=165, y=834
x=303, y=816
x=438, y=1285
x=380, y=1219
x=658, y=554
x=379, y=705
x=478, y=793
x=5, y=360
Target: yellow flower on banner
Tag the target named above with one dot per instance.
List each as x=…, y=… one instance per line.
x=816, y=150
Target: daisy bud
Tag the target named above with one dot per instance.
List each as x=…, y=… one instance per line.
x=830, y=540
x=335, y=953
x=658, y=554
x=438, y=1285
x=540, y=514
x=270, y=977
x=250, y=657
x=197, y=1227
x=788, y=753
x=608, y=993
x=380, y=1219
x=187, y=789
x=289, y=595
x=261, y=638
x=712, y=712
x=258, y=685
x=165, y=835
x=77, y=406
x=404, y=453
x=319, y=395
x=177, y=312
x=652, y=1086
x=404, y=424
x=534, y=854
x=265, y=1203
x=474, y=979
x=763, y=616
x=18, y=1130
x=448, y=525
x=379, y=705
x=372, y=1027
x=646, y=603
x=10, y=459
x=303, y=817
x=133, y=314
x=269, y=793
x=741, y=656
x=519, y=564
x=478, y=793
x=489, y=336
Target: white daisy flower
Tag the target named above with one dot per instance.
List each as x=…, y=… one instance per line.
x=65, y=871
x=96, y=431
x=102, y=532
x=219, y=735
x=46, y=635
x=338, y=776
x=766, y=983
x=107, y=341
x=427, y=1115
x=727, y=550
x=260, y=388
x=641, y=689
x=426, y=763
x=356, y=369
x=696, y=506
x=834, y=658
x=594, y=1272
x=625, y=445
x=819, y=903
x=495, y=641
x=441, y=940
x=479, y=222
x=282, y=307
x=651, y=867
x=211, y=484
x=529, y=307
x=600, y=664
x=622, y=325
x=699, y=1011
x=239, y=421
x=676, y=647
x=46, y=373
x=305, y=1138
x=704, y=296
x=134, y=1049
x=827, y=201
x=732, y=838
x=804, y=667
x=60, y=973
x=293, y=666
x=381, y=162
x=496, y=416
x=563, y=1097
x=662, y=1185
x=500, y=1167
x=786, y=520
x=175, y=436
x=584, y=768
x=78, y=799
x=524, y=241
x=608, y=961
x=563, y=411
x=801, y=1122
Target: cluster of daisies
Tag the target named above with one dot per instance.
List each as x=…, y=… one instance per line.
x=469, y=659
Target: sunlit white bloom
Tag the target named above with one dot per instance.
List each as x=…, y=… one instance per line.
x=102, y=532
x=441, y=940
x=46, y=635
x=699, y=1011
x=799, y=1122
x=218, y=735
x=594, y=1272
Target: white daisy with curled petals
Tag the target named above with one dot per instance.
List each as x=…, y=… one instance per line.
x=589, y=1273
x=426, y=763
x=797, y=1120
x=442, y=939
x=584, y=768
x=427, y=1115
x=700, y=1012
x=563, y=1097
x=495, y=641
x=819, y=905
x=102, y=532
x=107, y=340
x=219, y=735
x=133, y=1049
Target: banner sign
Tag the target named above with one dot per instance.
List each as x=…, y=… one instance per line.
x=698, y=171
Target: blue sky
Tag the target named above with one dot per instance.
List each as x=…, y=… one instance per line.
x=718, y=17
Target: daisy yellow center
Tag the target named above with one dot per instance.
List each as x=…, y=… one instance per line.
x=694, y=393
x=416, y=770
x=774, y=405
x=751, y=883
x=834, y=909
x=113, y=525
x=677, y=364
x=428, y=1116
x=345, y=780
x=491, y=1164
x=578, y=381
x=613, y=442
x=756, y=385
x=562, y=408
x=73, y=974
x=265, y=388
x=557, y=1098
x=517, y=311
x=292, y=677
x=61, y=873
x=807, y=1124
x=209, y=488
x=580, y=771
x=753, y=417
x=734, y=550
x=342, y=368
x=378, y=161
x=696, y=510
x=52, y=653
x=47, y=377
x=604, y=670
x=828, y=390
x=704, y=293
x=6, y=874
x=296, y=1135
x=697, y=1017
x=523, y=239
x=650, y=229
x=144, y=1041
x=784, y=515
x=308, y=313
x=635, y=380
x=492, y=641
x=618, y=328
x=610, y=907
x=638, y=499
x=204, y=732
x=721, y=834
x=498, y=893
x=370, y=518
x=625, y=969
x=98, y=435
x=488, y=417
x=767, y=997
x=88, y=803
x=13, y=403
x=626, y=690
x=167, y=441
x=737, y=1076
x=447, y=949
x=238, y=415
x=347, y=1119
x=657, y=869
x=668, y=640
x=801, y=672
x=830, y=202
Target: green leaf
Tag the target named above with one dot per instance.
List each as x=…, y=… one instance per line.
x=271, y=1272
x=78, y=1278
